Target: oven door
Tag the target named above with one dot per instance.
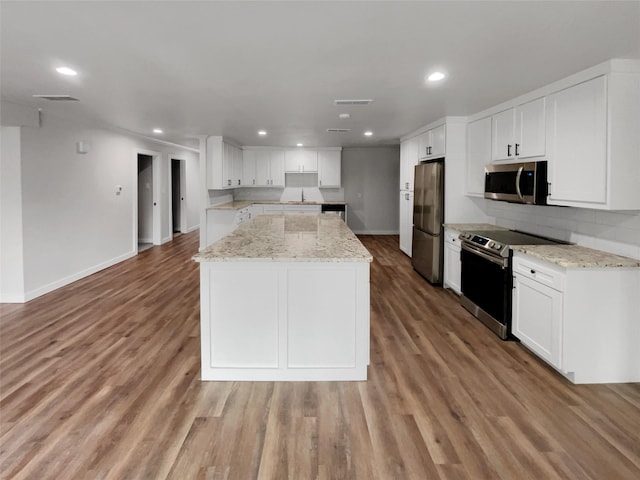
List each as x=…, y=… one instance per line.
x=486, y=288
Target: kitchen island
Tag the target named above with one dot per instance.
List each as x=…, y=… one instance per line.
x=285, y=297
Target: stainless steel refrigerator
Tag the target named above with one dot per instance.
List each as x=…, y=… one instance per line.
x=428, y=215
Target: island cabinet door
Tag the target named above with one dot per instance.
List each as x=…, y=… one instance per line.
x=241, y=333
x=322, y=318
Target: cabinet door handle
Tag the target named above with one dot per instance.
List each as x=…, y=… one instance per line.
x=517, y=147
x=508, y=150
x=320, y=182
x=406, y=185
x=533, y=272
x=238, y=182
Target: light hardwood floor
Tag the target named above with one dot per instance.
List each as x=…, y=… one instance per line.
x=100, y=380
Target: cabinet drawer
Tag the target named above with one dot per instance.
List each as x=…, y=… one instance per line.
x=543, y=273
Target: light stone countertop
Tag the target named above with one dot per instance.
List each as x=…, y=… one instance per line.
x=464, y=227
x=576, y=256
x=239, y=204
x=288, y=238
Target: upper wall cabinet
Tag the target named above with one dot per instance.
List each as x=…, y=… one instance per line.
x=224, y=164
x=329, y=168
x=519, y=132
x=432, y=143
x=263, y=168
x=408, y=160
x=593, y=143
x=478, y=154
x=301, y=161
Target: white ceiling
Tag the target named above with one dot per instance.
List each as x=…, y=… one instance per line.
x=232, y=68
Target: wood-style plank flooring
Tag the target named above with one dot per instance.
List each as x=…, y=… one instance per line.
x=100, y=380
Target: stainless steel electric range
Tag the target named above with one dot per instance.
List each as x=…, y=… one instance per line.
x=487, y=278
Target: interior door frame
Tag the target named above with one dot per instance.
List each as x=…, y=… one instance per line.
x=183, y=191
x=156, y=158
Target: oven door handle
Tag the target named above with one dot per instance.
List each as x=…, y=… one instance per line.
x=497, y=260
x=518, y=175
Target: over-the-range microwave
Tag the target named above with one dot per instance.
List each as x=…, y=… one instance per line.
x=517, y=182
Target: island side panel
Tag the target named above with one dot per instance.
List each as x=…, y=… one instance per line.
x=329, y=280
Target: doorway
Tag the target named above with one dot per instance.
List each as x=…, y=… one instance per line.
x=178, y=204
x=145, y=202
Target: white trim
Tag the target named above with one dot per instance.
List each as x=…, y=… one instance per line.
x=195, y=227
x=376, y=232
x=76, y=276
x=145, y=240
x=166, y=239
x=432, y=125
x=12, y=298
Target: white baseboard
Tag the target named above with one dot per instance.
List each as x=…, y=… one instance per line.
x=12, y=298
x=166, y=239
x=376, y=232
x=75, y=277
x=145, y=240
x=195, y=227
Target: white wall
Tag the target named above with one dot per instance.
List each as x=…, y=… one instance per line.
x=370, y=178
x=615, y=232
x=73, y=221
x=11, y=254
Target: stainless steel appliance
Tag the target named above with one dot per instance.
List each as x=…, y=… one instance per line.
x=486, y=277
x=517, y=182
x=428, y=212
x=335, y=209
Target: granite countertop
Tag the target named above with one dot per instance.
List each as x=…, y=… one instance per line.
x=239, y=204
x=463, y=227
x=576, y=256
x=288, y=238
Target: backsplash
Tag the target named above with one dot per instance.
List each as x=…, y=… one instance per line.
x=614, y=232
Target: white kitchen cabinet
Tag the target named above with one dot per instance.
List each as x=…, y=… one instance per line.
x=276, y=168
x=582, y=321
x=406, y=221
x=452, y=263
x=301, y=161
x=224, y=164
x=432, y=143
x=408, y=160
x=593, y=143
x=519, y=132
x=329, y=168
x=221, y=222
x=537, y=317
x=301, y=209
x=578, y=144
x=249, y=171
x=263, y=168
x=478, y=154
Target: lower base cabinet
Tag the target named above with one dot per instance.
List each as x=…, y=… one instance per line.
x=452, y=264
x=406, y=221
x=582, y=321
x=288, y=331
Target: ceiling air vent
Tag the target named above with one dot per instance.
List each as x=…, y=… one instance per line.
x=338, y=130
x=353, y=102
x=64, y=98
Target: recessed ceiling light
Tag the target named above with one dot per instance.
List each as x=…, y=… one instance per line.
x=157, y=130
x=262, y=132
x=66, y=71
x=368, y=133
x=436, y=76
x=344, y=115
x=298, y=144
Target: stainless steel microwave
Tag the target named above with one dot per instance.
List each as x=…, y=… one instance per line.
x=517, y=182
